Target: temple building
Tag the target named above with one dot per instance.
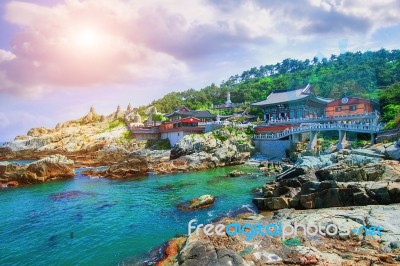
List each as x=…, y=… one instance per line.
x=184, y=112
x=177, y=129
x=290, y=104
x=350, y=106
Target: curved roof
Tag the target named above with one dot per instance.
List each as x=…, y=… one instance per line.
x=284, y=96
x=184, y=111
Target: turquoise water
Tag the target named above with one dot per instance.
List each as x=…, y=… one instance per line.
x=21, y=162
x=107, y=222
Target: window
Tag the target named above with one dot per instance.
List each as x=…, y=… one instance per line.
x=353, y=107
x=338, y=109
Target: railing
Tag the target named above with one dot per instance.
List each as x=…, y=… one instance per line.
x=323, y=118
x=322, y=127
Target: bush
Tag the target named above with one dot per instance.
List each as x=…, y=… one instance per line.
x=126, y=136
x=158, y=144
x=116, y=123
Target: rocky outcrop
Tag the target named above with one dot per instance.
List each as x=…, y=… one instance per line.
x=201, y=202
x=170, y=251
x=343, y=180
x=390, y=150
x=90, y=140
x=300, y=248
x=225, y=146
x=37, y=132
x=325, y=194
x=193, y=153
x=48, y=168
x=131, y=167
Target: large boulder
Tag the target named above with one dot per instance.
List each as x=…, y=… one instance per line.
x=39, y=131
x=48, y=168
x=202, y=202
x=326, y=194
x=226, y=146
x=132, y=167
x=51, y=167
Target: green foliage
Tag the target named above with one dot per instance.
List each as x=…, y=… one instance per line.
x=326, y=143
x=249, y=131
x=391, y=95
x=359, y=143
x=158, y=144
x=115, y=123
x=158, y=117
x=390, y=112
x=126, y=137
x=367, y=74
x=219, y=136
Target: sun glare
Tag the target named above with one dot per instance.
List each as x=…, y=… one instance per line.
x=87, y=38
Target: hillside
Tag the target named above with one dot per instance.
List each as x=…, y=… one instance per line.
x=370, y=75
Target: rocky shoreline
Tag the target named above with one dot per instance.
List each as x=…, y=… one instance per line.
x=354, y=249
x=49, y=168
x=335, y=180
x=193, y=153
x=359, y=187
x=351, y=188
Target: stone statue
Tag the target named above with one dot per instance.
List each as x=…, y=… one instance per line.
x=228, y=99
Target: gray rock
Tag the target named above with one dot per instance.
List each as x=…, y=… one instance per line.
x=229, y=257
x=395, y=245
x=198, y=253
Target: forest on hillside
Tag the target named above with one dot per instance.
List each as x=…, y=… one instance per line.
x=373, y=74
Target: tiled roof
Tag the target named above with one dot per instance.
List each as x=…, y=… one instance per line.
x=198, y=114
x=276, y=97
x=284, y=96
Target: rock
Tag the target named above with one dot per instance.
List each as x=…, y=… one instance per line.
x=272, y=203
x=202, y=202
x=277, y=203
x=198, y=253
x=395, y=245
x=236, y=173
x=318, y=249
x=313, y=194
x=132, y=167
x=48, y=168
x=54, y=166
x=314, y=162
x=346, y=173
x=291, y=173
x=228, y=257
x=39, y=131
x=12, y=184
x=222, y=146
x=393, y=151
x=170, y=251
x=77, y=139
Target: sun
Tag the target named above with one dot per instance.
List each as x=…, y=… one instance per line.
x=87, y=38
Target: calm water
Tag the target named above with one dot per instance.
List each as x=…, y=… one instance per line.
x=106, y=222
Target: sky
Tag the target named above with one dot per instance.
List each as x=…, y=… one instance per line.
x=59, y=58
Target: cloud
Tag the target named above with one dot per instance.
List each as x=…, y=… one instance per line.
x=78, y=44
x=87, y=43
